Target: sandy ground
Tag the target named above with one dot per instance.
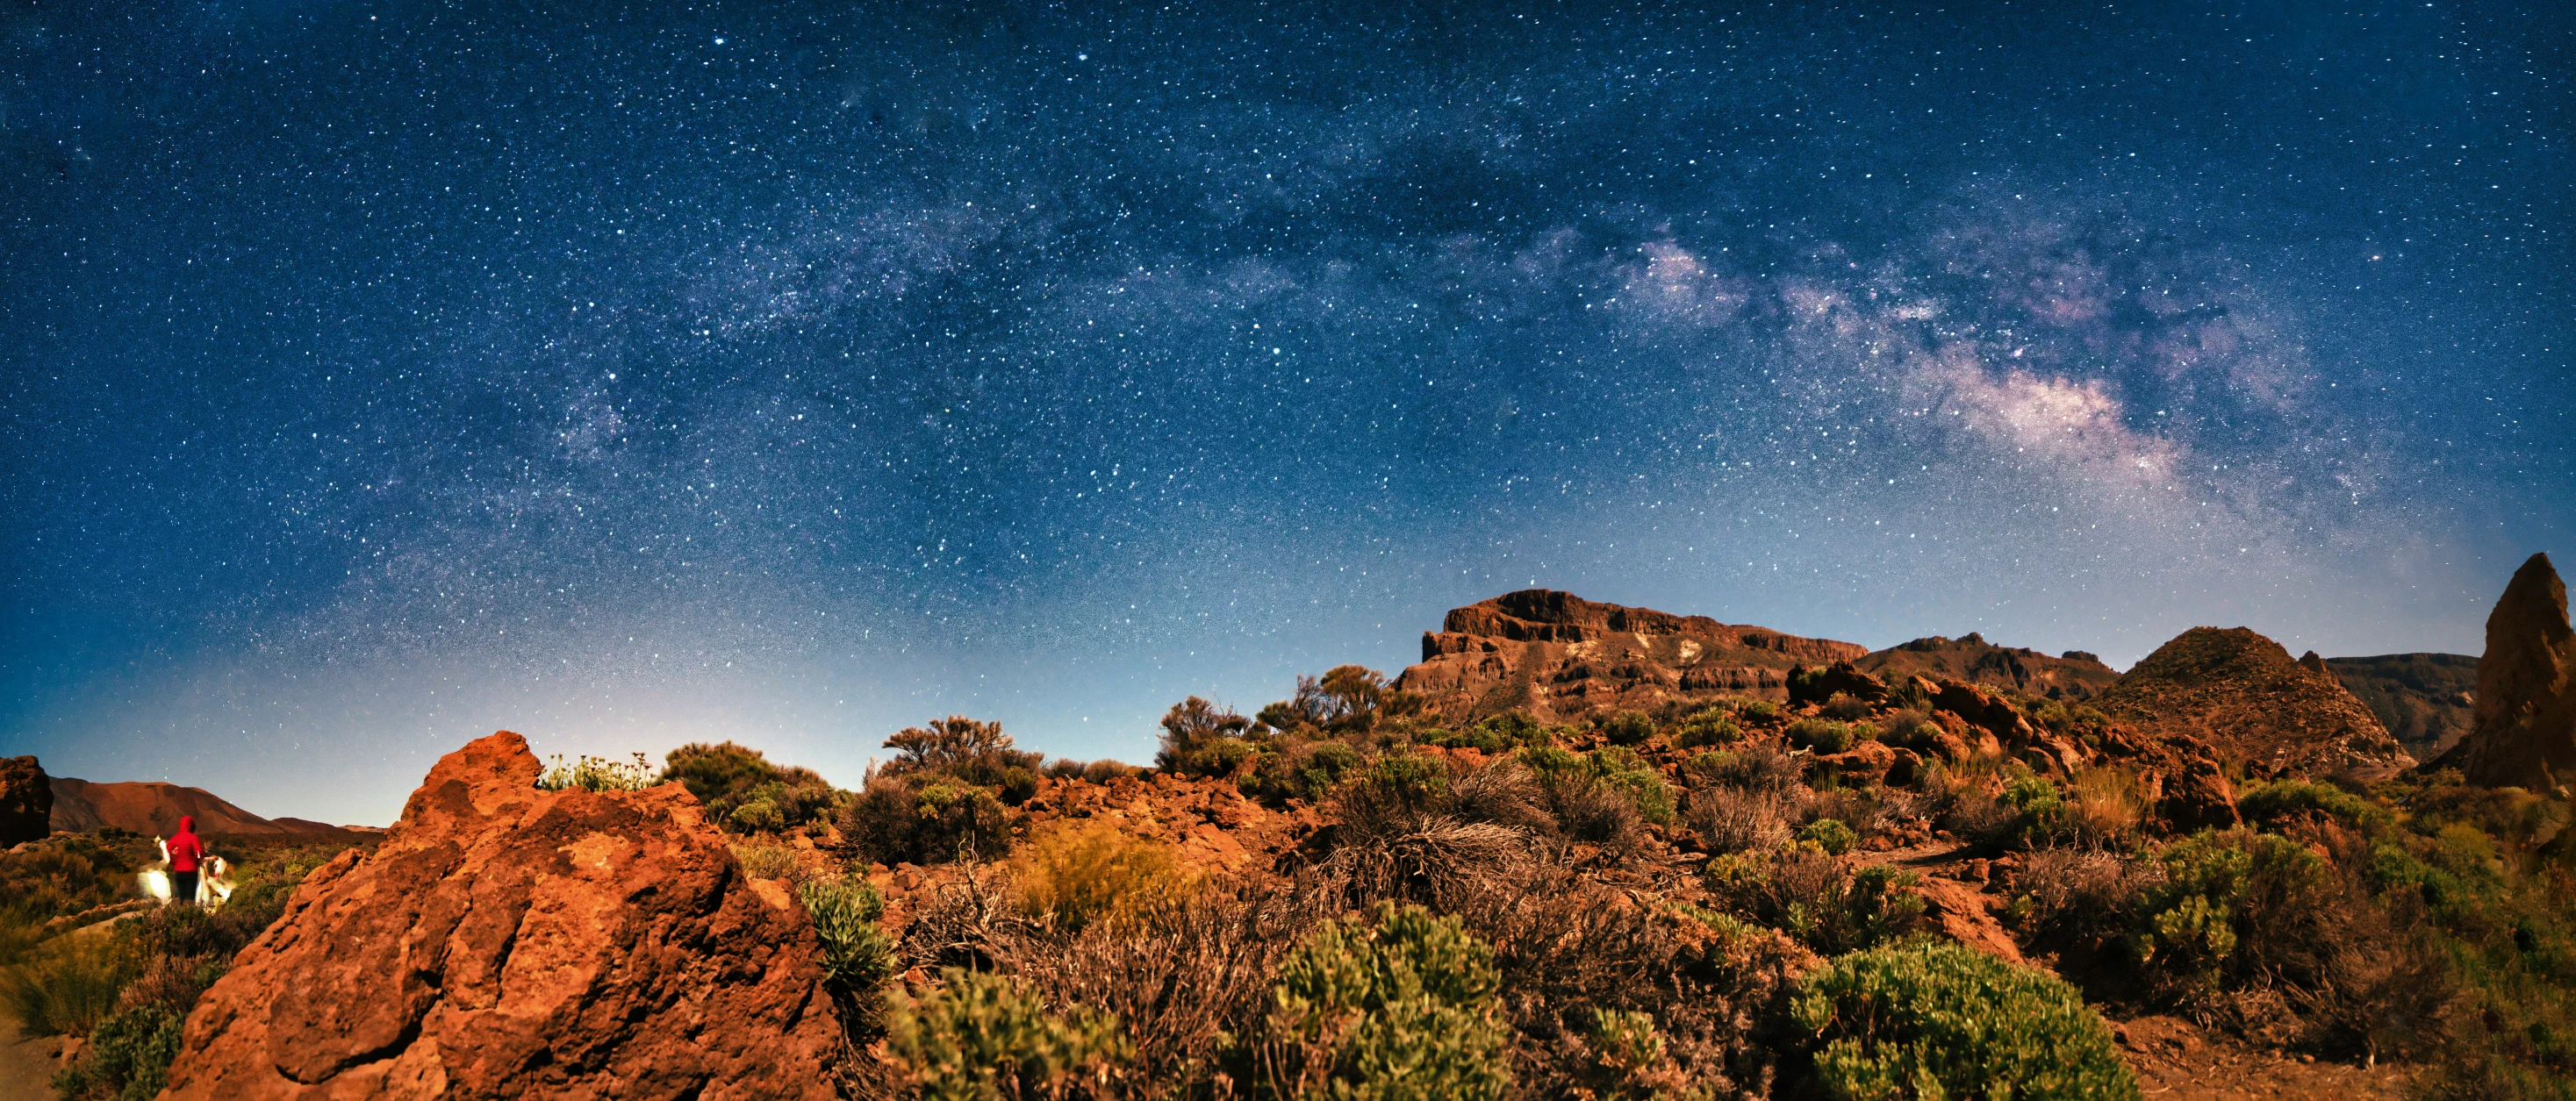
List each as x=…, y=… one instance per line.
x=2177, y=1062
x=26, y=1065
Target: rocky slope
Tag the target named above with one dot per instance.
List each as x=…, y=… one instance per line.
x=511, y=942
x=2428, y=702
x=2525, y=734
x=2075, y=676
x=2241, y=697
x=1558, y=656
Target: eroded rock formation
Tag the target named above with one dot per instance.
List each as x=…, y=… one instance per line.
x=26, y=801
x=1558, y=656
x=2240, y=696
x=511, y=942
x=2525, y=733
x=2076, y=676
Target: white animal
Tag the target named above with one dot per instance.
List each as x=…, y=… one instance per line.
x=214, y=879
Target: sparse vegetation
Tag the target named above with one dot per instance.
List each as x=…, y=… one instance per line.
x=596, y=774
x=1401, y=1006
x=1928, y=1019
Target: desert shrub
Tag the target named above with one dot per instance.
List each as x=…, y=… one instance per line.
x=1934, y=1019
x=1203, y=739
x=1622, y=768
x=66, y=986
x=2278, y=801
x=1062, y=768
x=745, y=793
x=1910, y=729
x=596, y=774
x=926, y=819
x=1971, y=810
x=857, y=954
x=766, y=861
x=1630, y=1060
x=2082, y=895
x=1863, y=810
x=1475, y=737
x=127, y=1059
x=60, y=877
x=1845, y=707
x=1708, y=727
x=1809, y=895
x=1346, y=700
x=1820, y=735
x=1105, y=770
x=1082, y=872
x=983, y=1036
x=2100, y=807
x=1601, y=797
x=2233, y=904
x=1757, y=711
x=1829, y=835
x=1758, y=768
x=1627, y=728
x=1402, y=1007
x=1730, y=820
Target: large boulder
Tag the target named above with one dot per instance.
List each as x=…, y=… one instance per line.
x=509, y=942
x=2525, y=732
x=26, y=801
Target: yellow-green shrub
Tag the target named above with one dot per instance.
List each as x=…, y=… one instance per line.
x=980, y=1037
x=1933, y=1019
x=1402, y=1007
x=1086, y=871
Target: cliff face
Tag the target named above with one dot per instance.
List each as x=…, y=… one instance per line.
x=511, y=942
x=2525, y=728
x=1558, y=656
x=2076, y=676
x=2427, y=701
x=2243, y=697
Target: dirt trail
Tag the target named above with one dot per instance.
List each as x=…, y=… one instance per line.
x=26, y=1063
x=2177, y=1062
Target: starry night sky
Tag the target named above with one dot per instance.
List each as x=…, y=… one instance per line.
x=379, y=375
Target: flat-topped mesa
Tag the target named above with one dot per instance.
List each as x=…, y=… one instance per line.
x=1557, y=656
x=2525, y=707
x=1970, y=658
x=2244, y=698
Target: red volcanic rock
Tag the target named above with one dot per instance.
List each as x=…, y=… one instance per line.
x=2076, y=676
x=510, y=942
x=2526, y=699
x=1559, y=656
x=2199, y=797
x=2236, y=694
x=26, y=801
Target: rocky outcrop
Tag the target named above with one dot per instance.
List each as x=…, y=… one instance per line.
x=2525, y=732
x=2427, y=701
x=26, y=801
x=1970, y=658
x=509, y=942
x=1558, y=656
x=2236, y=694
x=2198, y=797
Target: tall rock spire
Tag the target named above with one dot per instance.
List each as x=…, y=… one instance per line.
x=2525, y=732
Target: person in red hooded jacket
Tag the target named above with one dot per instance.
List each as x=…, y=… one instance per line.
x=186, y=852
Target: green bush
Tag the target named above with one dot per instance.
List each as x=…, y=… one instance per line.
x=925, y=819
x=1830, y=835
x=2232, y=903
x=982, y=1037
x=1816, y=900
x=1820, y=735
x=1933, y=1019
x=2275, y=802
x=1759, y=711
x=1708, y=727
x=1623, y=769
x=745, y=793
x=1400, y=1008
x=128, y=1057
x=857, y=955
x=1627, y=728
x=1481, y=738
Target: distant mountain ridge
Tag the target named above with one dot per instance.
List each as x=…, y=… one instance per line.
x=153, y=807
x=2427, y=701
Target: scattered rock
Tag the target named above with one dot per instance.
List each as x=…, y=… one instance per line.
x=2199, y=797
x=1972, y=659
x=511, y=942
x=26, y=801
x=2525, y=732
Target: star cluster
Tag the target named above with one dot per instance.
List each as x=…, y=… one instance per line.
x=383, y=374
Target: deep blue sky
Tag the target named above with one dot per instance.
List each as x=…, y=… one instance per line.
x=380, y=375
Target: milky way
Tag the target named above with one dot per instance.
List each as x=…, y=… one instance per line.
x=379, y=377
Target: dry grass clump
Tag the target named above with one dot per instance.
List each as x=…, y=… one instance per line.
x=1087, y=871
x=1733, y=820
